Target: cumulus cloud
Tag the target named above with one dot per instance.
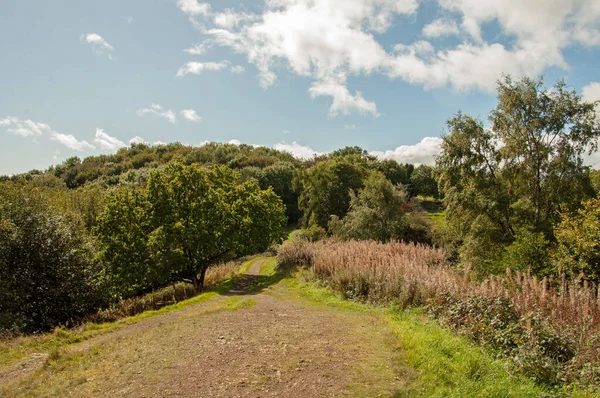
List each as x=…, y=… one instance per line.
x=24, y=128
x=157, y=110
x=193, y=7
x=191, y=115
x=441, y=27
x=107, y=142
x=99, y=45
x=71, y=142
x=591, y=92
x=297, y=150
x=343, y=101
x=197, y=68
x=197, y=49
x=325, y=39
x=137, y=140
x=237, y=69
x=229, y=19
x=423, y=152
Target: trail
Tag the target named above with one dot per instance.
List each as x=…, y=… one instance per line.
x=259, y=340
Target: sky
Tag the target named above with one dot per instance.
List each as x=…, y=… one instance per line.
x=81, y=78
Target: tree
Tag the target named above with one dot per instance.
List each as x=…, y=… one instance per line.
x=395, y=172
x=521, y=172
x=423, y=182
x=187, y=219
x=377, y=212
x=47, y=273
x=325, y=188
x=123, y=230
x=280, y=177
x=579, y=242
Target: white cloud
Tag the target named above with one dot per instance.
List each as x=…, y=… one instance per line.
x=237, y=69
x=71, y=142
x=197, y=49
x=197, y=68
x=191, y=115
x=99, y=45
x=137, y=140
x=343, y=101
x=107, y=142
x=441, y=27
x=193, y=7
x=326, y=39
x=234, y=142
x=128, y=19
x=591, y=92
x=229, y=19
x=24, y=128
x=157, y=110
x=350, y=127
x=421, y=153
x=299, y=151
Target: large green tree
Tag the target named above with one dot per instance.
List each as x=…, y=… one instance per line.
x=187, y=219
x=521, y=172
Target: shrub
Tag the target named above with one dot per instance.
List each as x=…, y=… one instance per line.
x=312, y=233
x=47, y=276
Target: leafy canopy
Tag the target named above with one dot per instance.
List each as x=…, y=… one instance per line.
x=521, y=172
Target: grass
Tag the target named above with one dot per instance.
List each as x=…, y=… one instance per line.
x=444, y=364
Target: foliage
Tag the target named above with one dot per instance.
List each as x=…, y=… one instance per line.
x=279, y=177
x=377, y=212
x=579, y=241
x=187, y=219
x=423, y=182
x=47, y=276
x=520, y=173
x=312, y=233
x=325, y=188
x=529, y=250
x=395, y=172
x=122, y=231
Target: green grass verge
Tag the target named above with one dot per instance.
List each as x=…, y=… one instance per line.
x=446, y=365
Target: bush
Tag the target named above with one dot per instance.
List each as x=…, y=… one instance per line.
x=312, y=233
x=47, y=276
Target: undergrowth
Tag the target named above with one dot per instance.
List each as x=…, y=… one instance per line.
x=549, y=330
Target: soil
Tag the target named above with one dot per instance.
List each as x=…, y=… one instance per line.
x=275, y=345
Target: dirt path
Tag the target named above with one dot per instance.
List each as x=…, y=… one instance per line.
x=247, y=344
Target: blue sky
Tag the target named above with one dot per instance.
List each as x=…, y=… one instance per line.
x=86, y=77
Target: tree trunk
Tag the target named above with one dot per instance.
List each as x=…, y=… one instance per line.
x=196, y=282
x=203, y=276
